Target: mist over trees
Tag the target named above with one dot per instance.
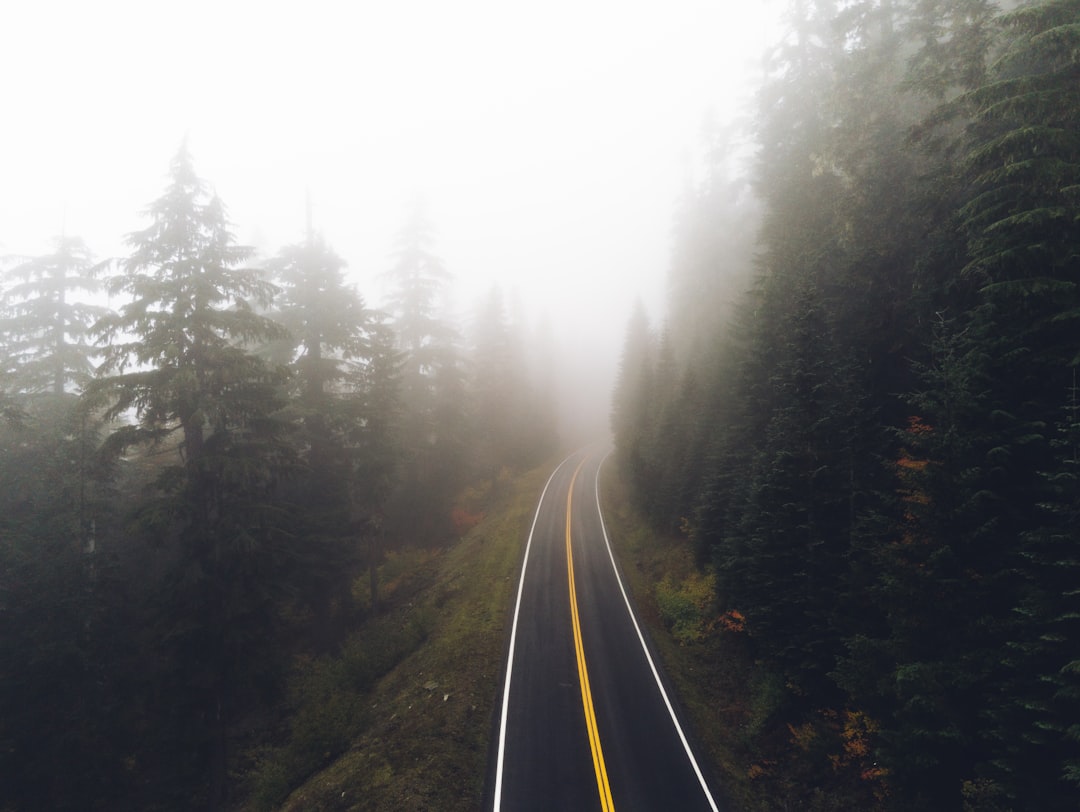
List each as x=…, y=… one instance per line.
x=197, y=476
x=862, y=413
x=866, y=422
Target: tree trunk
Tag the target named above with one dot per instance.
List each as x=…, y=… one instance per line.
x=374, y=550
x=218, y=755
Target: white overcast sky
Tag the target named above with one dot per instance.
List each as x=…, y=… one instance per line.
x=550, y=139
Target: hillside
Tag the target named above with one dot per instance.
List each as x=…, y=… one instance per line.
x=415, y=736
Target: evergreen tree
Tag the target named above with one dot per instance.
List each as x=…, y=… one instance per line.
x=44, y=329
x=434, y=424
x=633, y=387
x=510, y=427
x=495, y=384
x=542, y=358
x=715, y=239
x=178, y=363
x=54, y=686
x=345, y=380
x=58, y=737
x=418, y=280
x=1020, y=163
x=953, y=39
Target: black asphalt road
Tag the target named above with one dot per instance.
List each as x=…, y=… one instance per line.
x=546, y=758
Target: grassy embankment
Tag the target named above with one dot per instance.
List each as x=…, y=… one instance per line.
x=675, y=601
x=401, y=718
x=769, y=747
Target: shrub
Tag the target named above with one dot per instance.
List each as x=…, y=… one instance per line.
x=686, y=608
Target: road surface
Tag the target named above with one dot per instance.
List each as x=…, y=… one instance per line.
x=586, y=722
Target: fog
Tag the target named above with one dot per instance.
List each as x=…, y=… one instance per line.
x=265, y=528
x=549, y=141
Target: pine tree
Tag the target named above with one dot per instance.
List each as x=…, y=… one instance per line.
x=44, y=328
x=510, y=427
x=54, y=696
x=178, y=363
x=418, y=280
x=345, y=381
x=435, y=423
x=57, y=738
x=1020, y=162
x=328, y=344
x=953, y=40
x=630, y=398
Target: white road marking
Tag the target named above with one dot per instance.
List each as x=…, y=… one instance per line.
x=645, y=648
x=513, y=640
x=633, y=619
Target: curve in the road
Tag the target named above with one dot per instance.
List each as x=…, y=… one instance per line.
x=547, y=753
x=603, y=786
x=645, y=649
x=513, y=639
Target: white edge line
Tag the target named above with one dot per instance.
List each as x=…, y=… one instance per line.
x=513, y=639
x=645, y=648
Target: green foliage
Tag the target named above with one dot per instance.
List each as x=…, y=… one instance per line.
x=330, y=705
x=887, y=487
x=344, y=412
x=54, y=703
x=329, y=713
x=184, y=329
x=198, y=516
x=687, y=608
x=434, y=426
x=44, y=331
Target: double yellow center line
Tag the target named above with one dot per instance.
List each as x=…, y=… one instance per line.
x=606, y=804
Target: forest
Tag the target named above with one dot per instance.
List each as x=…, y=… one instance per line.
x=860, y=412
x=862, y=409
x=202, y=452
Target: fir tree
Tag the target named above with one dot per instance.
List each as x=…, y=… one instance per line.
x=435, y=423
x=344, y=409
x=44, y=328
x=178, y=364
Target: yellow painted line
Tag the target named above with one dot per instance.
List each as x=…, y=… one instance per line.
x=645, y=649
x=606, y=804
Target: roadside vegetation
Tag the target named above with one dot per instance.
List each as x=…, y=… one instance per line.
x=735, y=703
x=401, y=717
x=221, y=493
x=862, y=416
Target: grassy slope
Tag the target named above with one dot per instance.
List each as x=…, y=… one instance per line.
x=767, y=750
x=427, y=721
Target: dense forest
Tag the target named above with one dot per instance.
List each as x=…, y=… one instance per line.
x=201, y=453
x=861, y=413
x=863, y=409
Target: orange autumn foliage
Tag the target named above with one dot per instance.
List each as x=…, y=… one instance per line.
x=918, y=426
x=907, y=469
x=857, y=730
x=732, y=621
x=760, y=769
x=803, y=736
